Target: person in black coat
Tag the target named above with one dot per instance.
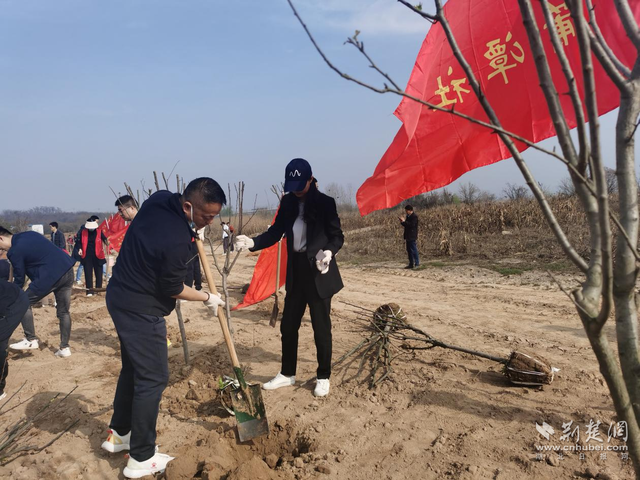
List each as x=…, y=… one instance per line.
x=309, y=220
x=57, y=237
x=410, y=224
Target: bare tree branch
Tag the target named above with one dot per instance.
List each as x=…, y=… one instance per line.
x=628, y=22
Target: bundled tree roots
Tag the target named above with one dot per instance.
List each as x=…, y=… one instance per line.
x=392, y=336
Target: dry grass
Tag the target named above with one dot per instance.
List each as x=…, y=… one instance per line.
x=484, y=232
x=493, y=233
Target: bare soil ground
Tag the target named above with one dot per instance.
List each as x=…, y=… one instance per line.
x=441, y=414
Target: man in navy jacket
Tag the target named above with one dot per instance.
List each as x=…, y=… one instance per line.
x=50, y=271
x=147, y=279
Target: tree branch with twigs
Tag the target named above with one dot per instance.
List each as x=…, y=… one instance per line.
x=610, y=278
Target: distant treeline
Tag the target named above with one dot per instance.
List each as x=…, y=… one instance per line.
x=68, y=222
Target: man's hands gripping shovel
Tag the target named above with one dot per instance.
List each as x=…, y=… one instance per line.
x=213, y=302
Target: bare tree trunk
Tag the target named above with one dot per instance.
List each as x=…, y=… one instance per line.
x=626, y=271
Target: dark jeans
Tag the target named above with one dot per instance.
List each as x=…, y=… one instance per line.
x=303, y=293
x=92, y=264
x=62, y=291
x=8, y=324
x=143, y=377
x=412, y=251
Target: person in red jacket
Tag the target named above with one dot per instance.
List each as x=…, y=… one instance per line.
x=90, y=243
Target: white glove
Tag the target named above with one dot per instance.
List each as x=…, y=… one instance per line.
x=323, y=264
x=243, y=243
x=200, y=233
x=213, y=303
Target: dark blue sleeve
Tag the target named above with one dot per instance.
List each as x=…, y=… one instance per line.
x=17, y=261
x=174, y=269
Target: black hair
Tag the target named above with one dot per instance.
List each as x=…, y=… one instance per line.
x=54, y=224
x=408, y=207
x=204, y=189
x=93, y=218
x=126, y=201
x=4, y=232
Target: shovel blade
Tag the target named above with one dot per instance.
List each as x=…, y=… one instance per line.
x=274, y=314
x=250, y=412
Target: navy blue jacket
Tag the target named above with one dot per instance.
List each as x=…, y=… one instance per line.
x=5, y=270
x=9, y=292
x=32, y=255
x=152, y=263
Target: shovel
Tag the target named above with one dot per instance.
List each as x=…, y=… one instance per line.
x=276, y=307
x=248, y=405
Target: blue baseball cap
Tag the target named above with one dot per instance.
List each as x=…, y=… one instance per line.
x=296, y=175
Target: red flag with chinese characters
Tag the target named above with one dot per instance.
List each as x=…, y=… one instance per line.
x=433, y=148
x=114, y=229
x=263, y=282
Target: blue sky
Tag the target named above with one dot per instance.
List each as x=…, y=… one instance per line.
x=96, y=93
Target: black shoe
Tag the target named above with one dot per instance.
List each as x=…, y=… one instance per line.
x=408, y=267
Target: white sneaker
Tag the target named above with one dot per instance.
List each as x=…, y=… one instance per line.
x=279, y=381
x=116, y=443
x=63, y=352
x=155, y=464
x=322, y=387
x=25, y=344
x=3, y=396
x=78, y=282
x=89, y=294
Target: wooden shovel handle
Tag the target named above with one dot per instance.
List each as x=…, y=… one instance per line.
x=221, y=315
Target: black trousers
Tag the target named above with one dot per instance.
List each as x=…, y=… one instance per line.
x=143, y=377
x=62, y=292
x=8, y=324
x=92, y=264
x=303, y=293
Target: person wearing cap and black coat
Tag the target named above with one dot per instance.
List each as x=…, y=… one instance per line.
x=309, y=220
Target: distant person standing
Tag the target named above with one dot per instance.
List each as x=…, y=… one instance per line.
x=91, y=250
x=225, y=237
x=127, y=207
x=50, y=271
x=410, y=224
x=75, y=253
x=57, y=237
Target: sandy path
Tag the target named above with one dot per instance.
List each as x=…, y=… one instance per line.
x=441, y=414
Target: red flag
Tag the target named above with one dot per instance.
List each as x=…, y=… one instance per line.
x=433, y=148
x=114, y=229
x=263, y=282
